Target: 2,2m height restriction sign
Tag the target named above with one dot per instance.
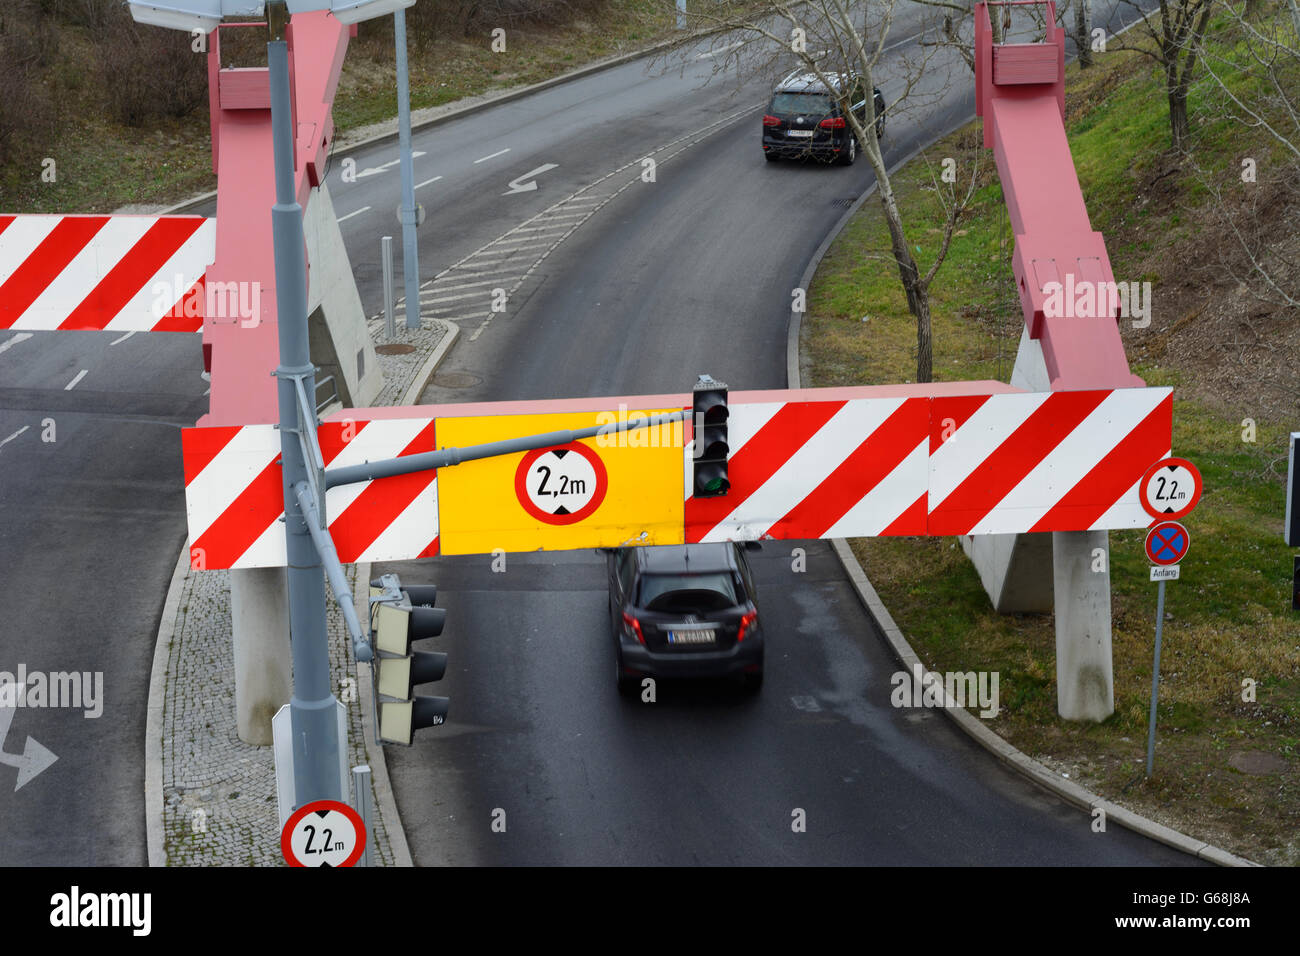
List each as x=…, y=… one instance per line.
x=1170, y=489
x=323, y=833
x=561, y=485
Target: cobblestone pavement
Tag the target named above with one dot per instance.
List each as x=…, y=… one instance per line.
x=219, y=806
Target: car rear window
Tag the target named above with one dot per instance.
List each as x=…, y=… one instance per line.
x=705, y=591
x=815, y=104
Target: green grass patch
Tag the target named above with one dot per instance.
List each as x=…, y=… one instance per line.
x=1228, y=617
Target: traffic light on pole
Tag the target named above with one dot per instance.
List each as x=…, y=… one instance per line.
x=396, y=623
x=710, y=426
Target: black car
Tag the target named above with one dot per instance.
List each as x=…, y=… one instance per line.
x=807, y=118
x=684, y=611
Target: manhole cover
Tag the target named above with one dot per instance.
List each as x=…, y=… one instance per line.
x=398, y=349
x=455, y=380
x=1257, y=762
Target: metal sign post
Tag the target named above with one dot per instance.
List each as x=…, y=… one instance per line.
x=1166, y=544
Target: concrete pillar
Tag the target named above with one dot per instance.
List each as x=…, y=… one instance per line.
x=1015, y=569
x=1085, y=688
x=259, y=619
x=1021, y=573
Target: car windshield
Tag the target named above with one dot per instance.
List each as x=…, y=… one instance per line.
x=685, y=592
x=812, y=104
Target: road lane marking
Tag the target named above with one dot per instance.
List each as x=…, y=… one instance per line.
x=73, y=384
x=351, y=214
x=122, y=338
x=523, y=184
x=427, y=181
x=500, y=152
x=10, y=343
x=14, y=435
x=722, y=49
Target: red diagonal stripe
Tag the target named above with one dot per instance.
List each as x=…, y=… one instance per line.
x=431, y=551
x=1125, y=464
x=6, y=222
x=243, y=522
x=758, y=460
x=875, y=458
x=1019, y=454
x=200, y=445
x=47, y=260
x=132, y=273
x=911, y=521
x=187, y=314
x=950, y=413
x=383, y=500
x=337, y=435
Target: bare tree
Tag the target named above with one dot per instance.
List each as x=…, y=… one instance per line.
x=832, y=41
x=1250, y=73
x=1177, y=42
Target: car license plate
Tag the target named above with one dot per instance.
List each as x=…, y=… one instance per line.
x=693, y=637
x=799, y=134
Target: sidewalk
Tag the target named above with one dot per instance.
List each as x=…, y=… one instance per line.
x=210, y=797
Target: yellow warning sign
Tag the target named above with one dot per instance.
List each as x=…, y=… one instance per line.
x=596, y=492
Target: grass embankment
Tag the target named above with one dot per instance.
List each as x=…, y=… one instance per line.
x=102, y=165
x=1228, y=619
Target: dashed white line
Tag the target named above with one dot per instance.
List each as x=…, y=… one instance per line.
x=427, y=181
x=73, y=384
x=122, y=338
x=10, y=343
x=351, y=214
x=15, y=434
x=500, y=152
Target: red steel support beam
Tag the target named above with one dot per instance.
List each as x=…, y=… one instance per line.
x=1020, y=94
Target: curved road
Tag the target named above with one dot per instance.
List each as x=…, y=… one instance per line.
x=658, y=281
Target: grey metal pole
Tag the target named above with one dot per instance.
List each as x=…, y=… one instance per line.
x=312, y=708
x=1155, y=678
x=361, y=786
x=386, y=254
x=410, y=252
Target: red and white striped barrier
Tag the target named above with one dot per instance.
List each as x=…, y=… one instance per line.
x=116, y=273
x=234, y=501
x=843, y=466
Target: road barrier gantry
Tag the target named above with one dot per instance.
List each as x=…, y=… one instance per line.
x=941, y=459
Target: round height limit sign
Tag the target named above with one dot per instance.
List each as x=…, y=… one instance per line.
x=561, y=485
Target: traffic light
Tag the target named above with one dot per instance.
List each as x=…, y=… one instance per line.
x=399, y=616
x=710, y=465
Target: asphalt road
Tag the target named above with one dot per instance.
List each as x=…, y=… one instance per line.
x=542, y=762
x=656, y=282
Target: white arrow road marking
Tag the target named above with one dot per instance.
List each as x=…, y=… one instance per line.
x=35, y=757
x=351, y=214
x=427, y=181
x=2, y=444
x=7, y=344
x=499, y=152
x=376, y=170
x=518, y=184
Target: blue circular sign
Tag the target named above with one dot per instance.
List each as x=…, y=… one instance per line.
x=1167, y=543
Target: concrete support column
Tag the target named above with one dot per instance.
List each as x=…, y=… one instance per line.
x=1085, y=688
x=259, y=618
